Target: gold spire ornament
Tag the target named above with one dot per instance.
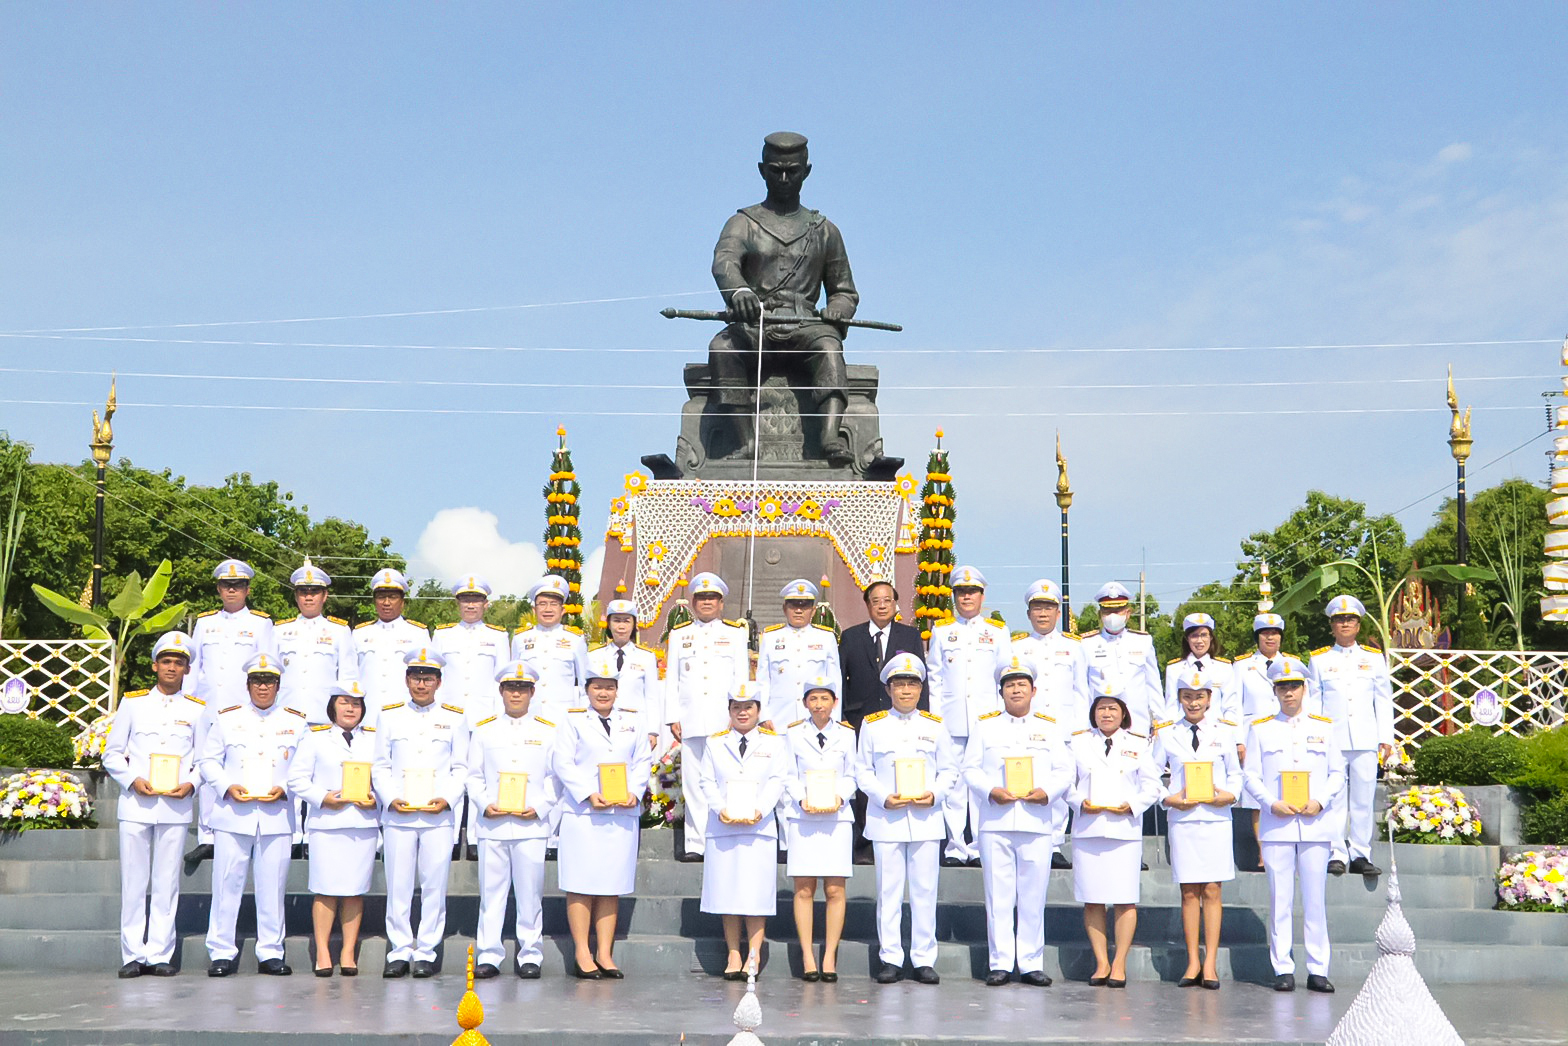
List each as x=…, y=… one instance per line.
x=102, y=444
x=1459, y=440
x=1265, y=591
x=470, y=1012
x=1064, y=491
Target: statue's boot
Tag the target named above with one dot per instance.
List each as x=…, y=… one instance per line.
x=745, y=435
x=834, y=446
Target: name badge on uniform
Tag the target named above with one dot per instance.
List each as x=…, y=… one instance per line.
x=1316, y=739
x=563, y=643
x=778, y=644
x=987, y=638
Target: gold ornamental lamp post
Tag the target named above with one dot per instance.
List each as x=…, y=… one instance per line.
x=102, y=446
x=1064, y=501
x=1459, y=443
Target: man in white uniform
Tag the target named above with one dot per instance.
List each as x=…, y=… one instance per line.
x=1256, y=689
x=1351, y=684
x=905, y=830
x=961, y=662
x=556, y=650
x=1295, y=838
x=420, y=771
x=1018, y=829
x=474, y=651
x=164, y=722
x=707, y=660
x=1062, y=683
x=224, y=640
x=792, y=652
x=246, y=755
x=383, y=644
x=1125, y=656
x=512, y=838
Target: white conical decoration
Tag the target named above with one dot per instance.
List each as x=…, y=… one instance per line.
x=748, y=1015
x=1394, y=1007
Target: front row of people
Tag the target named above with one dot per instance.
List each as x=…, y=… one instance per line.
x=532, y=782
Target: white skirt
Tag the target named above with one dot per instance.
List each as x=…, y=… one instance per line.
x=1201, y=852
x=341, y=860
x=597, y=854
x=821, y=846
x=740, y=875
x=1106, y=871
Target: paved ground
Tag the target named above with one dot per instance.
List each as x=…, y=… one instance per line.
x=248, y=1009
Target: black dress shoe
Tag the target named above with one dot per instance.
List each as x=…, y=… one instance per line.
x=866, y=856
x=927, y=975
x=1143, y=866
x=887, y=973
x=1189, y=982
x=424, y=968
x=274, y=968
x=528, y=971
x=1116, y=982
x=220, y=968
x=1036, y=978
x=997, y=978
x=161, y=969
x=690, y=858
x=395, y=968
x=830, y=978
x=457, y=851
x=1059, y=861
x=199, y=853
x=1316, y=982
x=323, y=971
x=473, y=852
x=551, y=854
x=298, y=852
x=973, y=862
x=1336, y=867
x=952, y=862
x=1284, y=982
x=811, y=976
x=485, y=970
x=1213, y=986
x=1362, y=866
x=611, y=973
x=131, y=969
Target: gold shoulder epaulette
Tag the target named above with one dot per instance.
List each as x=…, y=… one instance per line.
x=645, y=646
x=452, y=708
x=297, y=712
x=583, y=709
x=874, y=716
x=1319, y=718
x=1175, y=661
x=368, y=729
x=573, y=629
x=1228, y=722
x=193, y=697
x=525, y=628
x=260, y=613
x=1016, y=636
x=735, y=623
x=206, y=613
x=1086, y=635
x=287, y=620
x=990, y=715
x=721, y=733
x=824, y=628
x=1137, y=631
x=1077, y=732
x=765, y=730
x=774, y=628
x=1261, y=719
x=628, y=711
x=320, y=727
x=1221, y=660
x=932, y=716
x=683, y=624
x=844, y=724
x=1074, y=636
x=496, y=628
x=482, y=722
x=1321, y=650
x=1042, y=715
x=229, y=709
x=395, y=704
x=419, y=624
x=1134, y=733
x=795, y=724
x=337, y=621
x=598, y=646
x=136, y=693
x=541, y=719
x=449, y=624
x=1161, y=725
x=363, y=624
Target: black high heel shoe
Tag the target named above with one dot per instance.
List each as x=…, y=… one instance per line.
x=1098, y=982
x=587, y=975
x=323, y=971
x=829, y=977
x=811, y=976
x=1116, y=982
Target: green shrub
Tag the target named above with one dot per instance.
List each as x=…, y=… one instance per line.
x=1546, y=821
x=1544, y=763
x=34, y=744
x=1472, y=757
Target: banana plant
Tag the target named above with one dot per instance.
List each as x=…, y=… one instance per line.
x=15, y=518
x=133, y=613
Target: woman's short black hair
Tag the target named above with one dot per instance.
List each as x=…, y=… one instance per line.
x=332, y=705
x=1126, y=713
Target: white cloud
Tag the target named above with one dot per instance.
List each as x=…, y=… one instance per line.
x=462, y=540
x=592, y=567
x=1456, y=152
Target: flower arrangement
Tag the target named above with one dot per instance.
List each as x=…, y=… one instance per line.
x=88, y=745
x=1534, y=881
x=563, y=537
x=44, y=799
x=1433, y=814
x=933, y=593
x=663, y=806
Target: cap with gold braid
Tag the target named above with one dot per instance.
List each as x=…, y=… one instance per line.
x=470, y=1012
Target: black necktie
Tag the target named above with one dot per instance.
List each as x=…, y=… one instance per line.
x=881, y=653
x=606, y=721
x=743, y=746
x=348, y=738
x=620, y=658
x=1268, y=663
x=1108, y=746
x=1194, y=737
x=1197, y=663
x=822, y=739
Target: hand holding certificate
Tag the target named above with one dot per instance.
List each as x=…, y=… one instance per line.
x=163, y=774
x=356, y=783
x=512, y=792
x=821, y=792
x=1018, y=775
x=419, y=790
x=612, y=784
x=740, y=802
x=1199, y=777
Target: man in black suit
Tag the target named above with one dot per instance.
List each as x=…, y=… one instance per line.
x=862, y=651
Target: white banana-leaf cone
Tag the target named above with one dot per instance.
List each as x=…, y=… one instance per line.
x=748, y=1015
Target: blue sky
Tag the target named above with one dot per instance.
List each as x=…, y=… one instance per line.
x=1032, y=181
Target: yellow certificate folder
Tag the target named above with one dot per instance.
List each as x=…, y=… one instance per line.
x=909, y=778
x=511, y=795
x=356, y=782
x=419, y=788
x=163, y=774
x=612, y=784
x=822, y=789
x=1294, y=787
x=1200, y=781
x=1018, y=774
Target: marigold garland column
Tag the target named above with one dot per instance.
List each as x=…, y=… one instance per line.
x=563, y=538
x=933, y=593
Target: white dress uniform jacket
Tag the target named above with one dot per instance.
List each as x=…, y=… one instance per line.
x=380, y=647
x=961, y=665
x=707, y=661
x=835, y=751
x=474, y=654
x=316, y=652
x=560, y=656
x=1062, y=682
x=766, y=764
x=1128, y=658
x=1217, y=740
x=317, y=771
x=1257, y=689
x=598, y=848
x=420, y=737
x=243, y=733
x=887, y=736
x=999, y=736
x=637, y=679
x=1219, y=676
x=1351, y=686
x=224, y=642
x=1129, y=757
x=786, y=659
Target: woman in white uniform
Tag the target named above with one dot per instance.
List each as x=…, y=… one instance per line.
x=341, y=832
x=821, y=838
x=1200, y=832
x=1200, y=649
x=1116, y=782
x=742, y=774
x=597, y=856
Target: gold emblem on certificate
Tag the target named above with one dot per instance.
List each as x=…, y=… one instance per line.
x=1018, y=774
x=356, y=782
x=612, y=784
x=1200, y=781
x=511, y=795
x=1294, y=787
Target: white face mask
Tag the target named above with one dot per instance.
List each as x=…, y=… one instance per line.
x=1113, y=623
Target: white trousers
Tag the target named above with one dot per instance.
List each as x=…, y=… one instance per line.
x=958, y=809
x=1017, y=869
x=1357, y=799
x=1285, y=863
x=206, y=799
x=232, y=855
x=696, y=806
x=149, y=863
x=422, y=855
x=916, y=865
x=517, y=866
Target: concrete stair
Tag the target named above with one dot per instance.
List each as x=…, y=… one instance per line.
x=59, y=909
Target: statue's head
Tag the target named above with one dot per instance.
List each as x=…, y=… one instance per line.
x=785, y=162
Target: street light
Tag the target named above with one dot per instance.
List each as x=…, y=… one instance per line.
x=1064, y=501
x=102, y=446
x=1459, y=443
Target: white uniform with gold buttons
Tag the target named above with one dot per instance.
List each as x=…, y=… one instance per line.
x=906, y=841
x=474, y=652
x=560, y=655
x=342, y=839
x=1296, y=846
x=636, y=671
x=511, y=848
x=152, y=827
x=598, y=848
x=416, y=744
x=316, y=652
x=1200, y=837
x=1016, y=838
x=740, y=871
x=380, y=647
x=1218, y=673
x=820, y=844
x=251, y=748
x=786, y=658
x=1062, y=685
x=1126, y=660
x=1108, y=847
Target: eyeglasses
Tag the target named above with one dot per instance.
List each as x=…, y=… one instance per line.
x=262, y=680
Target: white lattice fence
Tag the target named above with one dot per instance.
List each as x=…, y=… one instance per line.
x=69, y=680
x=1434, y=689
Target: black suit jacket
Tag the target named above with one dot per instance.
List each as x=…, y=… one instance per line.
x=857, y=657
